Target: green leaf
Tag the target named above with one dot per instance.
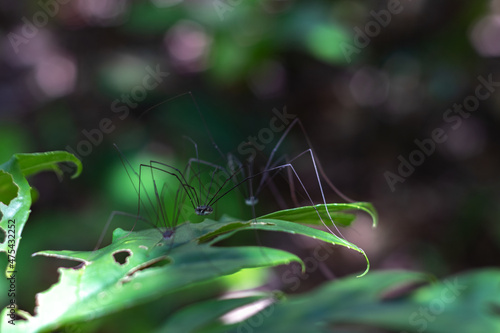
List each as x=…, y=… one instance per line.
x=15, y=211
x=154, y=267
x=38, y=162
x=310, y=214
x=15, y=192
x=282, y=226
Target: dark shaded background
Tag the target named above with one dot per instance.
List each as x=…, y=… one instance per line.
x=62, y=78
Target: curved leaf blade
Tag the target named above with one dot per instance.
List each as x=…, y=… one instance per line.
x=16, y=193
x=37, y=162
x=284, y=226
x=310, y=214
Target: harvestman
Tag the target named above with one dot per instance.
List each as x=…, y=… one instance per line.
x=251, y=199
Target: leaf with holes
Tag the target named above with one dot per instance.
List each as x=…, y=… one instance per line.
x=148, y=267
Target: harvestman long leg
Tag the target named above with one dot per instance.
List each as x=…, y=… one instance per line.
x=316, y=162
x=108, y=222
x=231, y=172
x=311, y=201
x=189, y=190
x=201, y=207
x=266, y=179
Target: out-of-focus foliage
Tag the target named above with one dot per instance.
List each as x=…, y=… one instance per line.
x=393, y=300
x=364, y=112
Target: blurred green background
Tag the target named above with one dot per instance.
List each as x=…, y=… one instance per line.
x=363, y=101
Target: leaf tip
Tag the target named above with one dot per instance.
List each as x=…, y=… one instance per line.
x=79, y=168
x=367, y=265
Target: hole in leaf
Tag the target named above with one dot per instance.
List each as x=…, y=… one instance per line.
x=121, y=256
x=79, y=266
x=8, y=189
x=159, y=262
x=3, y=235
